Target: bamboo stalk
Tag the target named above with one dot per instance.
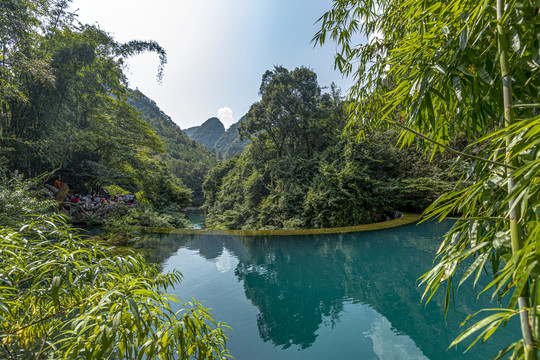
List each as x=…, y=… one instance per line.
x=530, y=348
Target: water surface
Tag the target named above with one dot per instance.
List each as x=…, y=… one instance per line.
x=197, y=219
x=349, y=296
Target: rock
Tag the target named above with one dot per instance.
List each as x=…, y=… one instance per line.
x=110, y=209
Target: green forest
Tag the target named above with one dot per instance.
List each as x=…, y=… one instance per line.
x=302, y=170
x=442, y=119
x=68, y=113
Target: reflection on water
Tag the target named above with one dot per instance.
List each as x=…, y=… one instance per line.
x=313, y=297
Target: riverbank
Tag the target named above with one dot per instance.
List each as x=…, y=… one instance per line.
x=404, y=220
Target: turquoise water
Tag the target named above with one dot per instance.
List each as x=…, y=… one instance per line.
x=197, y=219
x=350, y=296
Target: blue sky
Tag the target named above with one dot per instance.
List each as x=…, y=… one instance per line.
x=217, y=50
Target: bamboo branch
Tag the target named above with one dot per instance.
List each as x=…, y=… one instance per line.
x=452, y=150
x=43, y=344
x=7, y=350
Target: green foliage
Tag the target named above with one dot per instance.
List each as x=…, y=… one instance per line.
x=17, y=33
x=20, y=200
x=453, y=68
x=421, y=192
x=115, y=189
x=65, y=105
x=294, y=174
x=122, y=229
x=81, y=122
x=286, y=114
x=161, y=188
x=64, y=296
x=119, y=230
x=230, y=144
x=185, y=158
x=208, y=133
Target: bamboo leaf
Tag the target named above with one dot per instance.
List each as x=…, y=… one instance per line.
x=522, y=281
x=464, y=37
x=477, y=262
x=500, y=315
x=439, y=68
x=55, y=288
x=484, y=76
x=457, y=87
x=504, y=351
x=515, y=41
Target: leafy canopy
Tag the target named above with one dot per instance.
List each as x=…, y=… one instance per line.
x=66, y=105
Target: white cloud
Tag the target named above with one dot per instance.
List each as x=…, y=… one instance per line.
x=225, y=114
x=224, y=262
x=389, y=345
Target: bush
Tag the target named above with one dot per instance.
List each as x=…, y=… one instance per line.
x=63, y=296
x=115, y=190
x=293, y=224
x=122, y=229
x=20, y=199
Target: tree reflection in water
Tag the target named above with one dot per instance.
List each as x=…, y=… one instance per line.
x=302, y=283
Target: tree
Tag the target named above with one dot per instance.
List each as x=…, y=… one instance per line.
x=438, y=70
x=292, y=174
x=288, y=107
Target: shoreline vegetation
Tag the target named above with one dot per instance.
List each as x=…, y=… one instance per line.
x=65, y=295
x=406, y=219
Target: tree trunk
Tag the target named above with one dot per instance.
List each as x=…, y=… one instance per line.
x=530, y=347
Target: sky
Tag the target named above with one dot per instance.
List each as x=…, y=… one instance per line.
x=217, y=50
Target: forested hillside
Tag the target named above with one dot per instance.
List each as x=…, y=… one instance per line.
x=230, y=144
x=66, y=110
x=213, y=136
x=301, y=171
x=208, y=133
x=186, y=158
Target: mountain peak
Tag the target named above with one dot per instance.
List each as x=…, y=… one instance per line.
x=207, y=133
x=214, y=123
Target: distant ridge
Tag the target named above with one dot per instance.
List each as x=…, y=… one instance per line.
x=213, y=136
x=208, y=133
x=229, y=144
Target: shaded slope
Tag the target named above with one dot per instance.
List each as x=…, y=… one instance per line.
x=187, y=159
x=229, y=144
x=208, y=133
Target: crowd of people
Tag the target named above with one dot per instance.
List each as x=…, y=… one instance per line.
x=95, y=201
